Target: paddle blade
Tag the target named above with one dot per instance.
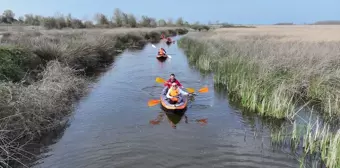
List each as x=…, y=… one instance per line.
x=203, y=120
x=153, y=102
x=190, y=90
x=160, y=80
x=203, y=90
x=153, y=46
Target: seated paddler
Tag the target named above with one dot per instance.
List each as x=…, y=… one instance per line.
x=175, y=94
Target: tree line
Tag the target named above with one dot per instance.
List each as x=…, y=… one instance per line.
x=118, y=19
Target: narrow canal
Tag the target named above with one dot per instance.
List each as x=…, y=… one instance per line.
x=111, y=126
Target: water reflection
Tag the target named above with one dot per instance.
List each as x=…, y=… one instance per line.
x=174, y=118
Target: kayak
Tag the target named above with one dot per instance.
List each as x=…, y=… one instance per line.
x=162, y=56
x=179, y=107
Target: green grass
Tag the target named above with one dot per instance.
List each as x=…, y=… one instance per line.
x=272, y=78
x=43, y=73
x=15, y=62
x=261, y=92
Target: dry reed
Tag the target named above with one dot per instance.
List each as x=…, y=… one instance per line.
x=272, y=69
x=45, y=72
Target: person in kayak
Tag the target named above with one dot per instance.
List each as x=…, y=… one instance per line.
x=161, y=51
x=172, y=80
x=169, y=39
x=175, y=94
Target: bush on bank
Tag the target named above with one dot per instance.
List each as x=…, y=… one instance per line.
x=43, y=73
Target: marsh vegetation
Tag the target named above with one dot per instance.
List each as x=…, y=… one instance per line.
x=276, y=71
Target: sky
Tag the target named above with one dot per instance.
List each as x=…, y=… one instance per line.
x=231, y=11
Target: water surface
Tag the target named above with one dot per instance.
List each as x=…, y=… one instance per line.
x=111, y=126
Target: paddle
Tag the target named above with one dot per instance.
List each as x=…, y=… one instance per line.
x=156, y=47
x=190, y=90
x=153, y=102
x=160, y=80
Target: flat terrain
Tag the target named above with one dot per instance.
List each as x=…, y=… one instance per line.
x=286, y=32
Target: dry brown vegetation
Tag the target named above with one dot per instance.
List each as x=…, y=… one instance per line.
x=272, y=69
x=305, y=59
x=311, y=33
x=42, y=73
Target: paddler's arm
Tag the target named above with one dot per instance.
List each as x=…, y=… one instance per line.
x=168, y=94
x=183, y=92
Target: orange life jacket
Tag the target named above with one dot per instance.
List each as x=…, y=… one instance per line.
x=174, y=92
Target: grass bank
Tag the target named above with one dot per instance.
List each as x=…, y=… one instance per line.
x=271, y=70
x=43, y=73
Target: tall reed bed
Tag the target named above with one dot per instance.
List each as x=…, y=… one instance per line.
x=43, y=73
x=273, y=74
x=313, y=142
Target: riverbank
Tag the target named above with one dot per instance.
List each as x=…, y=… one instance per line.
x=43, y=73
x=272, y=69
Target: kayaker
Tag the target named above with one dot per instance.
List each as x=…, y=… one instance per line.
x=169, y=39
x=172, y=80
x=175, y=94
x=161, y=51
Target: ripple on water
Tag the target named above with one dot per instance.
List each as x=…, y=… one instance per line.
x=153, y=90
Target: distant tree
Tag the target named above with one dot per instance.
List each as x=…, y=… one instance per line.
x=125, y=20
x=180, y=22
x=328, y=22
x=68, y=20
x=132, y=20
x=21, y=20
x=148, y=22
x=60, y=21
x=117, y=17
x=30, y=19
x=101, y=19
x=8, y=16
x=77, y=24
x=153, y=22
x=161, y=22
x=170, y=22
x=89, y=24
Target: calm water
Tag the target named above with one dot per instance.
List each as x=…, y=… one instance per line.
x=110, y=127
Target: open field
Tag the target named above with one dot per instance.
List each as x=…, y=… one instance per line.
x=43, y=73
x=312, y=33
x=273, y=70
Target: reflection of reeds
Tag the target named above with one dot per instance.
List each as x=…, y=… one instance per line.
x=42, y=74
x=271, y=73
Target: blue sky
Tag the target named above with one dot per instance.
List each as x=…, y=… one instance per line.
x=231, y=11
